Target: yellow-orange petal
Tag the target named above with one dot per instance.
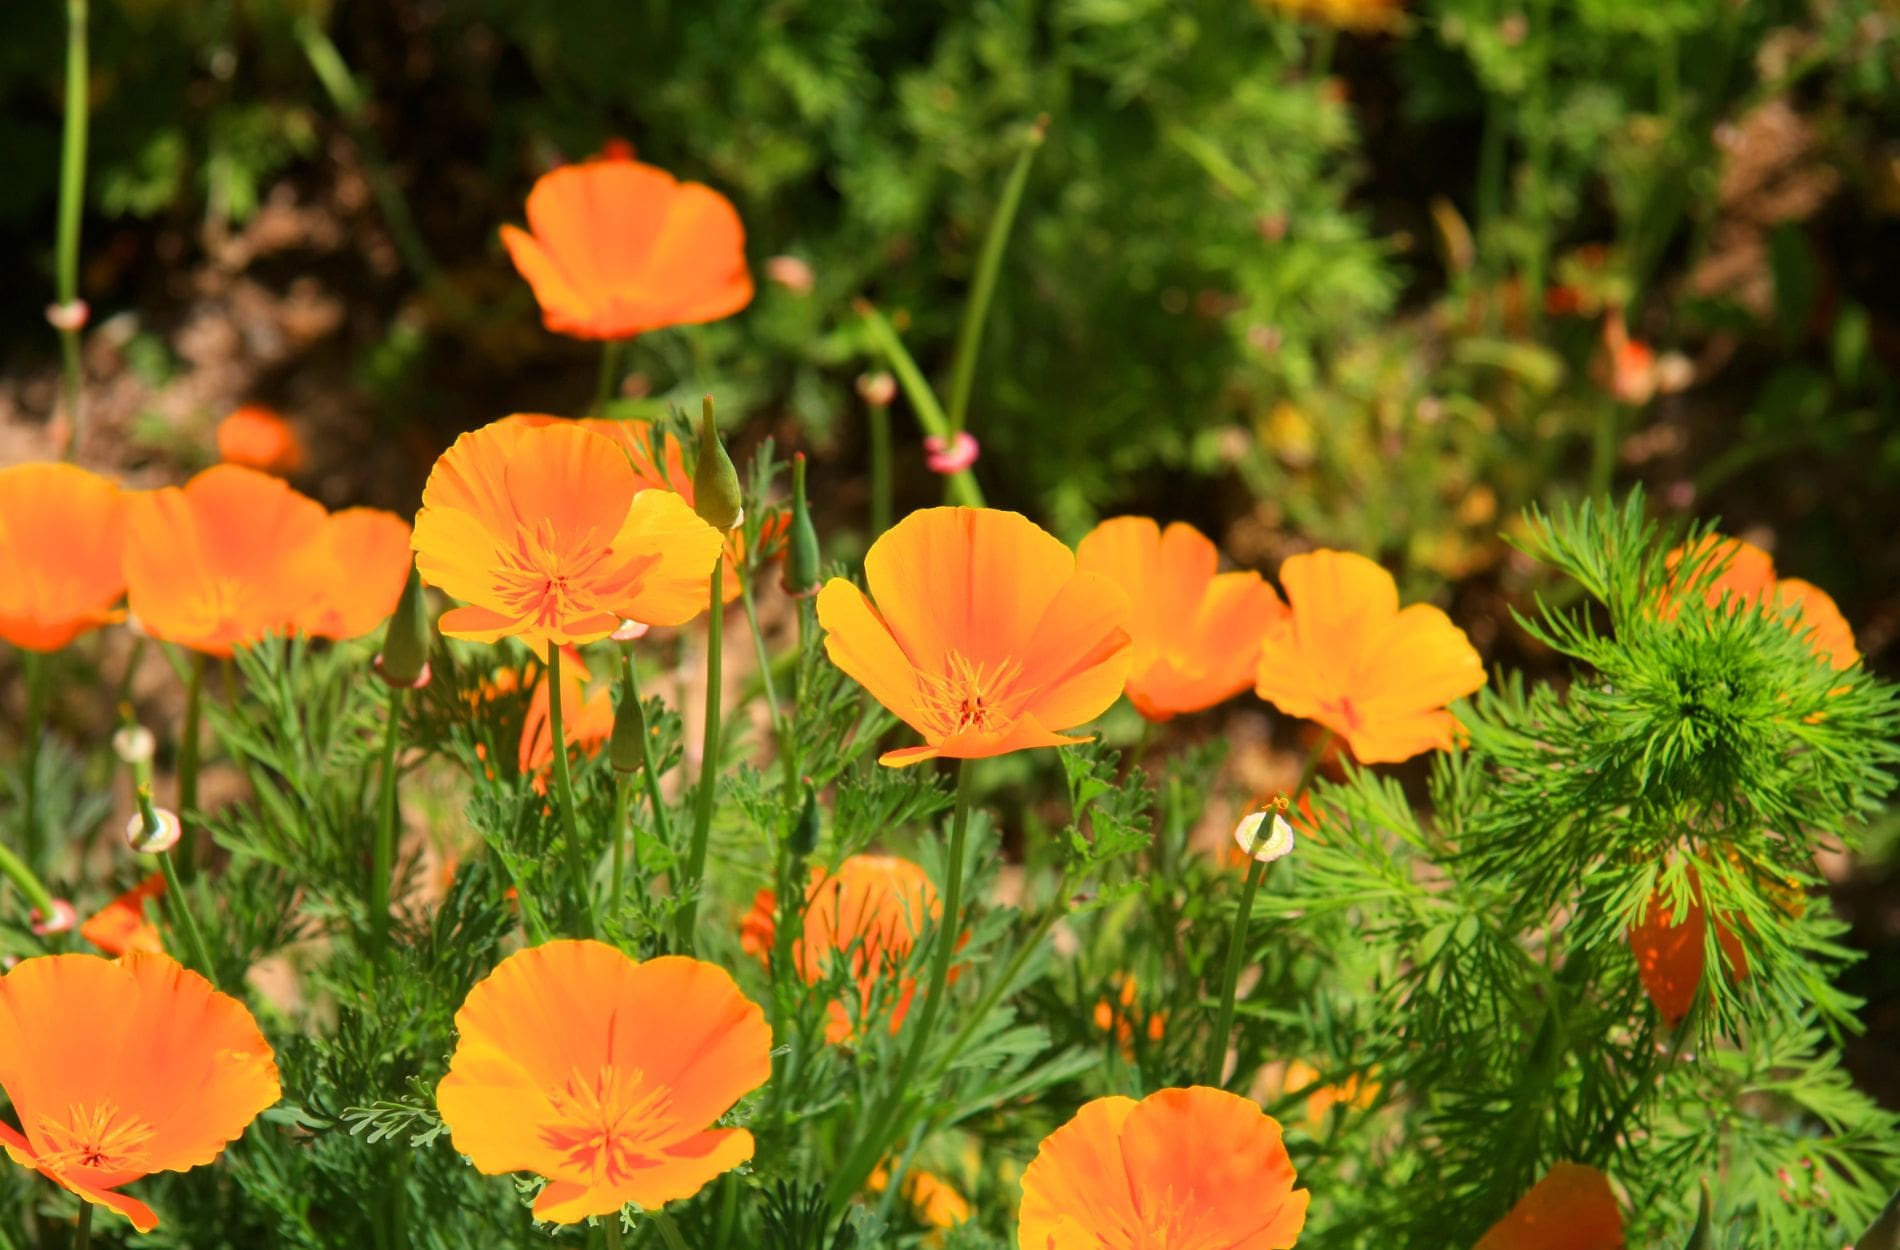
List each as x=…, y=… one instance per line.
x=1819, y=619
x=261, y=438
x=673, y=550
x=122, y=925
x=62, y=544
x=1571, y=1208
x=369, y=558
x=1076, y=1186
x=859, y=642
x=1075, y=662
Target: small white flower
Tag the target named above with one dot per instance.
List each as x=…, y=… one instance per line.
x=1278, y=842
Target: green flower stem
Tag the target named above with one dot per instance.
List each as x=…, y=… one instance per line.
x=669, y=1231
x=962, y=485
x=1058, y=908
x=383, y=853
x=610, y=352
x=178, y=909
x=880, y=468
x=647, y=771
x=564, y=796
x=188, y=762
x=610, y=1230
x=30, y=840
x=72, y=198
x=885, y=1122
x=1230, y=977
x=26, y=882
x=708, y=768
x=976, y=310
x=765, y=661
x=82, y=1236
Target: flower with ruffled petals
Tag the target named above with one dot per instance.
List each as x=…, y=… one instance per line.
x=122, y=924
x=545, y=533
x=62, y=543
x=1196, y=1167
x=979, y=633
x=1194, y=632
x=118, y=1069
x=603, y=1074
x=1350, y=659
x=1571, y=1208
x=615, y=247
x=1744, y=577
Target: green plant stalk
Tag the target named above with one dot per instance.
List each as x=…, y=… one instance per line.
x=383, y=853
x=30, y=841
x=708, y=768
x=880, y=468
x=963, y=488
x=976, y=311
x=72, y=197
x=610, y=1230
x=765, y=662
x=647, y=771
x=669, y=1231
x=188, y=760
x=880, y=1124
x=178, y=908
x=1230, y=976
x=1605, y=434
x=26, y=882
x=610, y=350
x=82, y=1236
x=623, y=808
x=564, y=796
x=1058, y=908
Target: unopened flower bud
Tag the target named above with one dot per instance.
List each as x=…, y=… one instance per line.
x=952, y=455
x=626, y=749
x=63, y=918
x=716, y=494
x=72, y=315
x=134, y=745
x=404, y=661
x=805, y=834
x=1262, y=840
x=877, y=389
x=792, y=273
x=801, y=567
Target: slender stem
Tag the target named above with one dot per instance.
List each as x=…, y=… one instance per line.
x=564, y=796
x=72, y=196
x=1057, y=908
x=188, y=762
x=708, y=767
x=669, y=1231
x=82, y=1236
x=976, y=310
x=765, y=660
x=1230, y=977
x=30, y=841
x=880, y=468
x=885, y=1122
x=383, y=853
x=26, y=882
x=647, y=771
x=923, y=400
x=610, y=1226
x=610, y=350
x=178, y=907
x=623, y=819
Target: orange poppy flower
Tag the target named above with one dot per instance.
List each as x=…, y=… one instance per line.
x=1199, y=1167
x=1120, y=1016
x=587, y=720
x=979, y=633
x=122, y=924
x=228, y=559
x=615, y=248
x=559, y=1070
x=1350, y=659
x=1671, y=957
x=1746, y=578
x=260, y=438
x=1353, y=1093
x=62, y=543
x=936, y=1201
x=118, y=1069
x=1194, y=633
x=1571, y=1208
x=367, y=552
x=545, y=533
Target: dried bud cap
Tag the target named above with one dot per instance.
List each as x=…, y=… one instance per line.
x=877, y=389
x=72, y=315
x=61, y=921
x=792, y=273
x=629, y=630
x=716, y=494
x=134, y=745
x=404, y=661
x=805, y=834
x=1278, y=840
x=153, y=832
x=626, y=750
x=801, y=568
x=952, y=455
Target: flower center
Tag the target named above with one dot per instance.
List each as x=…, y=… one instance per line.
x=607, y=1122
x=968, y=697
x=100, y=1136
x=549, y=579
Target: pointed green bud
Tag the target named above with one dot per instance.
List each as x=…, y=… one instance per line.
x=716, y=494
x=404, y=660
x=626, y=748
x=1700, y=1236
x=805, y=836
x=801, y=564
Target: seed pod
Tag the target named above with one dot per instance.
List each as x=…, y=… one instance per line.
x=801, y=568
x=404, y=660
x=716, y=494
x=625, y=748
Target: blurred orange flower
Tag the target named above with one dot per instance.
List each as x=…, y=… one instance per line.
x=546, y=534
x=615, y=248
x=260, y=438
x=228, y=559
x=936, y=1201
x=979, y=633
x=560, y=1070
x=587, y=720
x=1366, y=16
x=62, y=544
x=1671, y=954
x=1199, y=1167
x=1194, y=633
x=122, y=924
x=118, y=1069
x=365, y=553
x=1571, y=1208
x=1353, y=1093
x=1350, y=659
x=1746, y=578
x=1120, y=1016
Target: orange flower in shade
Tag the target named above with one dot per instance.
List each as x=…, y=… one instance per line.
x=230, y=558
x=118, y=1069
x=1572, y=1208
x=615, y=248
x=1365, y=16
x=122, y=924
x=936, y=1201
x=587, y=720
x=1195, y=1167
x=1671, y=956
x=367, y=555
x=547, y=536
x=62, y=543
x=1745, y=578
x=979, y=633
x=1349, y=658
x=603, y=1074
x=1120, y=1016
x=1194, y=633
x=260, y=438
x=1353, y=1093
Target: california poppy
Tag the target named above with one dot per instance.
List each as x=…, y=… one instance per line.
x=232, y=557
x=1744, y=577
x=122, y=924
x=1194, y=633
x=979, y=633
x=936, y=1201
x=1119, y=1016
x=587, y=720
x=1350, y=659
x=1354, y=1093
x=260, y=438
x=615, y=248
x=1197, y=1166
x=118, y=1069
x=1571, y=1208
x=1670, y=953
x=366, y=561
x=545, y=533
x=62, y=543
x=604, y=1075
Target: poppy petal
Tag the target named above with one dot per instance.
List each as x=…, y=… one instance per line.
x=859, y=642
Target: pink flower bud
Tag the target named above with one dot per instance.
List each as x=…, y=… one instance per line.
x=793, y=274
x=69, y=316
x=953, y=457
